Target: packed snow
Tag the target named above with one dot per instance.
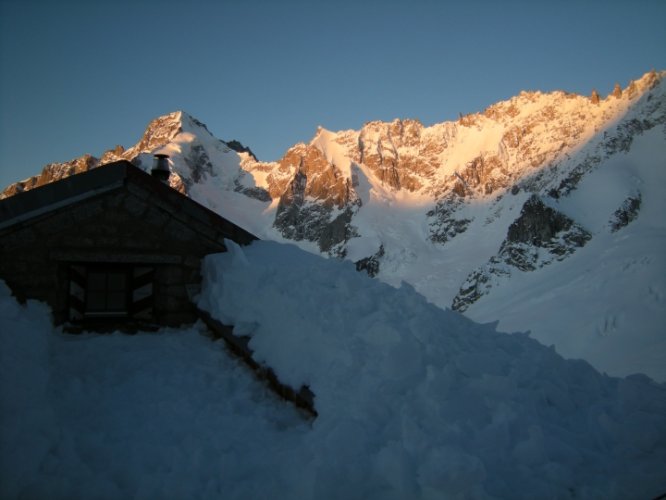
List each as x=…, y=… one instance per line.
x=413, y=401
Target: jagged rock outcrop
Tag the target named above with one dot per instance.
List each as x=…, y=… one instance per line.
x=159, y=133
x=396, y=153
x=112, y=155
x=626, y=213
x=325, y=183
x=239, y=148
x=52, y=172
x=538, y=237
x=318, y=203
x=444, y=224
x=199, y=163
x=257, y=193
x=371, y=264
x=542, y=226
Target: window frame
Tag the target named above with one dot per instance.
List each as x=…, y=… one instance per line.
x=108, y=310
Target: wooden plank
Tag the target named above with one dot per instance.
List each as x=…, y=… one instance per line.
x=303, y=398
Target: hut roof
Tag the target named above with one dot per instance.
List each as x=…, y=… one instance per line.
x=29, y=205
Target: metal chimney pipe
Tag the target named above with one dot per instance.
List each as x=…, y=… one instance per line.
x=161, y=167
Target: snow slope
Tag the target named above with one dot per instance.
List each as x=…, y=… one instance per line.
x=167, y=415
x=413, y=401
x=608, y=303
x=418, y=402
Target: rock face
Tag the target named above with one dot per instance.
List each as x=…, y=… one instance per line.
x=444, y=224
x=398, y=153
x=371, y=264
x=538, y=237
x=159, y=132
x=542, y=227
x=52, y=172
x=318, y=202
x=239, y=148
x=626, y=213
x=323, y=182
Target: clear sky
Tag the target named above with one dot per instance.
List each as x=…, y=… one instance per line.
x=80, y=76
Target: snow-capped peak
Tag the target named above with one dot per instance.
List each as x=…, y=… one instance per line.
x=165, y=129
x=335, y=153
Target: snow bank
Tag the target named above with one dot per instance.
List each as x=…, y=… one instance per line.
x=166, y=415
x=26, y=419
x=416, y=402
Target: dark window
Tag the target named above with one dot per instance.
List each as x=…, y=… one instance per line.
x=107, y=291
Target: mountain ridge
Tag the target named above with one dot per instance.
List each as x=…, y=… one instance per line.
x=460, y=210
x=164, y=128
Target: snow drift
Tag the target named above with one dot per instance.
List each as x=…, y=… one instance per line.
x=413, y=401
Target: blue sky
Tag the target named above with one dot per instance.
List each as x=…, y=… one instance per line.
x=80, y=76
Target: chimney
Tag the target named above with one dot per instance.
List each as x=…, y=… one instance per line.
x=161, y=168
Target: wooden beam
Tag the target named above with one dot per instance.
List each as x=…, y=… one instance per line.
x=303, y=398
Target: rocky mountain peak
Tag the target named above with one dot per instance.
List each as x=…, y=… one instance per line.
x=173, y=128
x=159, y=132
x=316, y=199
x=325, y=182
x=392, y=151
